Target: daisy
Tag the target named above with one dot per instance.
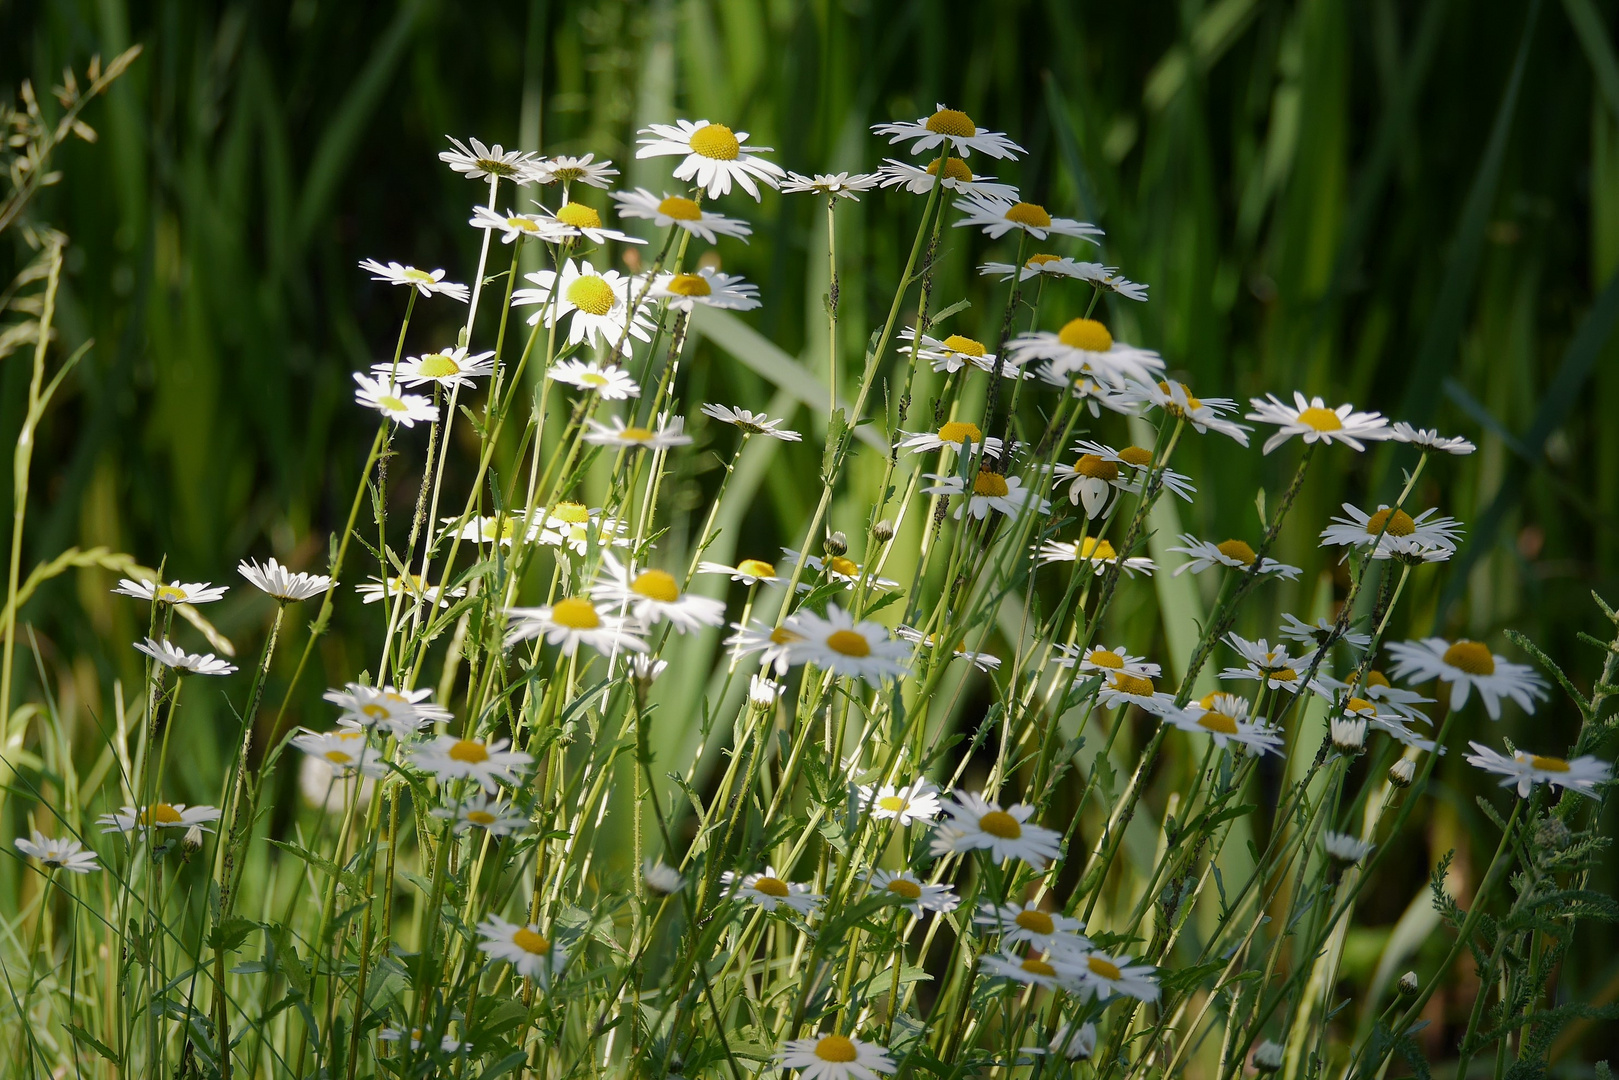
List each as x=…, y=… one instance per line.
x=764, y=693
x=835, y=1057
x=373, y=590
x=277, y=581
x=175, y=592
x=1394, y=531
x=1052, y=972
x=1044, y=264
x=1093, y=481
x=1344, y=848
x=1099, y=553
x=1105, y=976
x=1321, y=633
x=956, y=352
x=481, y=161
x=1581, y=774
x=773, y=643
x=1135, y=466
x=450, y=758
x=610, y=382
x=654, y=595
x=596, y=305
x=708, y=287
x=838, y=644
x=1120, y=688
x=978, y=824
x=991, y=491
x=1095, y=395
x=483, y=812
x=572, y=220
x=841, y=185
x=426, y=282
x=1268, y=1056
x=914, y=895
x=749, y=571
x=962, y=436
x=449, y=369
x=1026, y=923
x=513, y=226
x=1429, y=439
x=449, y=1044
x=1273, y=667
x=1204, y=414
x=180, y=660
x=1377, y=688
x=1348, y=733
x=751, y=423
x=670, y=432
x=1100, y=660
x=997, y=217
x=1237, y=554
x=681, y=211
x=392, y=402
x=570, y=623
x=1085, y=346
x=769, y=891
x=532, y=954
x=1076, y=1042
x=1466, y=665
x=1224, y=718
x=841, y=568
x=715, y=156
x=952, y=128
x=344, y=751
x=661, y=877
x=916, y=802
x=645, y=669
x=159, y=816
x=400, y=713
x=579, y=170
x=573, y=525
x=1398, y=728
x=1316, y=422
x=958, y=178
x=58, y=853
x=980, y=660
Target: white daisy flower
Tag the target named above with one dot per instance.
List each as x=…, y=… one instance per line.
x=991, y=491
x=708, y=287
x=180, y=660
x=597, y=305
x=958, y=179
x=570, y=623
x=566, y=169
x=571, y=525
x=513, y=226
x=609, y=381
x=1120, y=688
x=978, y=824
x=482, y=161
x=953, y=127
x=1105, y=976
x=959, y=435
x=1224, y=718
x=1135, y=465
x=1268, y=1056
x=841, y=185
x=373, y=590
x=1430, y=439
x=661, y=877
x=654, y=595
x=715, y=156
x=913, y=894
x=751, y=423
x=835, y=1057
x=449, y=1044
x=669, y=432
x=955, y=352
x=769, y=891
x=1398, y=728
x=344, y=751
x=1048, y=265
x=749, y=571
x=277, y=581
x=1100, y=660
x=392, y=402
x=159, y=816
x=573, y=220
x=1396, y=532
x=1093, y=481
x=1097, y=552
x=1466, y=665
x=1316, y=422
x=681, y=211
x=645, y=669
x=492, y=530
x=58, y=853
x=1204, y=414
x=1051, y=972
x=840, y=568
x=997, y=217
x=450, y=758
x=772, y=642
x=981, y=660
x=484, y=812
x=1321, y=632
x=1344, y=848
x=400, y=713
x=1348, y=733
x=1407, y=703
x=1237, y=554
x=1047, y=931
x=529, y=952
x=1093, y=393
x=426, y=282
x=449, y=368
x=1076, y=1042
x=1581, y=774
x=175, y=592
x=1276, y=668
x=915, y=802
x=764, y=693
x=1085, y=346
x=838, y=644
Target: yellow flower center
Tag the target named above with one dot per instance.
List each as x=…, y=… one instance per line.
x=656, y=585
x=756, y=568
x=1398, y=523
x=954, y=169
x=892, y=803
x=1041, y=259
x=1029, y=215
x=1134, y=685
x=1358, y=705
x=1036, y=922
x=848, y=643
x=579, y=216
x=1000, y=823
x=1285, y=674
x=1191, y=401
x=591, y=294
x=376, y=712
x=990, y=484
x=783, y=636
x=392, y=403
x=1237, y=549
x=840, y=565
x=715, y=141
x=594, y=378
x=1321, y=419
x=960, y=431
x=1139, y=456
x=689, y=285
x=338, y=757
x=836, y=1048
x=1086, y=334
x=771, y=886
x=1548, y=764
x=1376, y=678
x=530, y=942
x=1207, y=700
x=413, y=274
x=1105, y=658
x=480, y=817
x=524, y=223
x=952, y=122
x=571, y=512
x=1039, y=967
x=1096, y=467
x=680, y=209
x=1471, y=657
x=168, y=594
x=1217, y=721
x=1102, y=967
x=964, y=346
x=575, y=613
x=908, y=889
x=438, y=366
x=1096, y=549
x=469, y=752
x=161, y=814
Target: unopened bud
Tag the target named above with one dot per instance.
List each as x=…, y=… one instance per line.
x=1402, y=772
x=647, y=669
x=1348, y=734
x=763, y=693
x=1267, y=1056
x=836, y=544
x=1408, y=983
x=884, y=532
x=193, y=838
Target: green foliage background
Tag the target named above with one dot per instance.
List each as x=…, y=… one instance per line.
x=1411, y=206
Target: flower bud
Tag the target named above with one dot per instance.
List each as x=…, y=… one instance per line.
x=763, y=693
x=836, y=544
x=645, y=668
x=1267, y=1056
x=884, y=531
x=1402, y=772
x=1408, y=983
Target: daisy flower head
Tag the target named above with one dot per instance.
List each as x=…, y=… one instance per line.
x=1237, y=554
x=400, y=713
x=841, y=185
x=749, y=572
x=769, y=890
x=653, y=595
x=772, y=642
x=764, y=693
x=991, y=490
x=950, y=128
x=715, y=156
x=915, y=802
x=838, y=644
x=1095, y=551
x=1092, y=481
x=976, y=824
x=955, y=352
x=484, y=812
x=426, y=282
x=708, y=287
x=679, y=210
x=180, y=660
x=1076, y=1042
x=1345, y=848
x=529, y=952
x=1140, y=466
x=1051, y=972
x=569, y=169
x=1348, y=733
x=981, y=660
x=276, y=580
x=1121, y=687
x=1316, y=422
x=1276, y=668
x=1466, y=666
x=1377, y=689
x=450, y=758
x=661, y=877
x=175, y=592
x=913, y=894
x=669, y=432
x=841, y=568
x=751, y=423
x=344, y=751
x=958, y=178
x=159, y=816
x=1203, y=414
x=513, y=226
x=997, y=217
x=479, y=161
x=1224, y=718
x=572, y=622
x=450, y=368
x=1581, y=774
x=573, y=220
x=1105, y=975
x=1429, y=439
x=609, y=381
x=596, y=305
x=389, y=399
x=1100, y=660
x=502, y=530
x=1086, y=347
x=1395, y=533
x=58, y=853
x=1398, y=728
x=375, y=590
x=573, y=525
x=1095, y=394
x=962, y=436
x=1268, y=1056
x=1321, y=633
x=1027, y=923
x=835, y=1057
x=1044, y=264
